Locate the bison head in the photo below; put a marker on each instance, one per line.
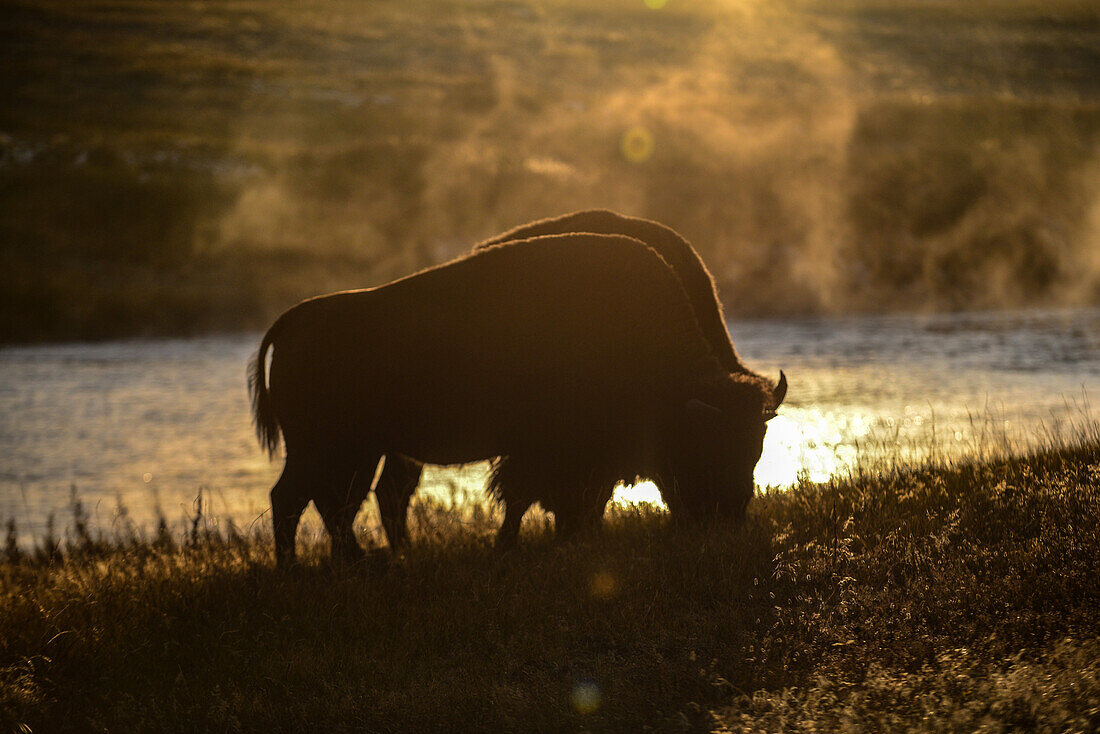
(719, 440)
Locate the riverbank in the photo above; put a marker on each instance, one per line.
(945, 598)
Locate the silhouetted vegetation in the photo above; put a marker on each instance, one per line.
(951, 597)
(182, 167)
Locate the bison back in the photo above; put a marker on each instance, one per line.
(564, 338)
(669, 244)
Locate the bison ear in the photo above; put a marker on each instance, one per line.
(779, 392)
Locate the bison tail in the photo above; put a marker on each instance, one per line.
(267, 424)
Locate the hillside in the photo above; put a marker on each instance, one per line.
(181, 167)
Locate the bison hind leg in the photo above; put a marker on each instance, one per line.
(395, 487)
(340, 493)
(289, 498)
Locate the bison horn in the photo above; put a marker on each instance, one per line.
(780, 391)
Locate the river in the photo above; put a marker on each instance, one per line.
(137, 428)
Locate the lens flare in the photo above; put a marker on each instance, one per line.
(637, 144)
(585, 697)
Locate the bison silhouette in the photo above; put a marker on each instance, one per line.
(573, 361)
(401, 475)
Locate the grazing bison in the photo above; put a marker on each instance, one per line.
(574, 361)
(400, 475)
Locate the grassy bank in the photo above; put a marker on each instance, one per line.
(944, 598)
(179, 167)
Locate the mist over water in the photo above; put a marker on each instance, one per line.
(824, 157)
(145, 424)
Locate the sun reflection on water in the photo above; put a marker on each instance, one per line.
(806, 444)
(640, 493)
(810, 444)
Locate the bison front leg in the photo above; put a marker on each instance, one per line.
(580, 514)
(396, 485)
(289, 498)
(508, 535)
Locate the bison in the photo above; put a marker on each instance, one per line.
(574, 361)
(400, 475)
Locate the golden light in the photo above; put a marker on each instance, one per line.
(656, 4)
(806, 443)
(779, 463)
(637, 494)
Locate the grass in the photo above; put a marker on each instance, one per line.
(180, 167)
(958, 597)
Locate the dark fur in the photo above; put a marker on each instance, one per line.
(677, 251)
(586, 376)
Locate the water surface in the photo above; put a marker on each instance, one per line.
(145, 424)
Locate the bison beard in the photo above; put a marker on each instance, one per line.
(573, 361)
